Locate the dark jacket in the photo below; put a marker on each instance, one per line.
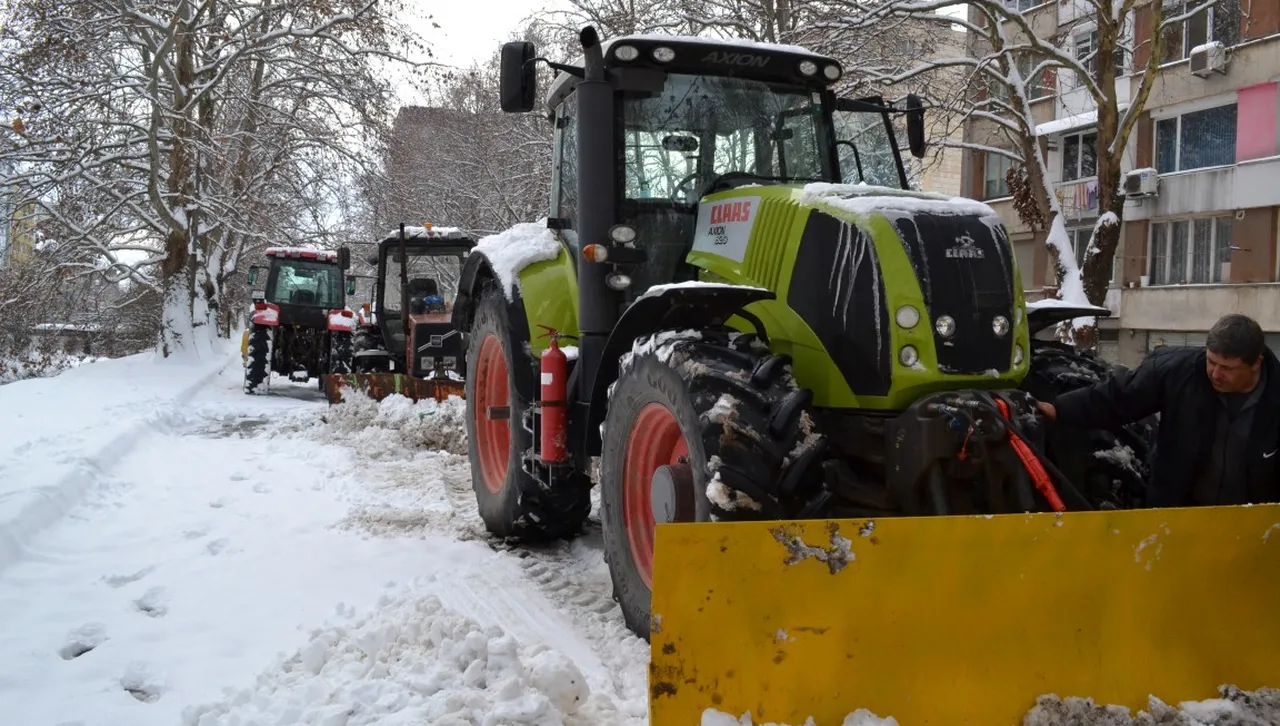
(1174, 382)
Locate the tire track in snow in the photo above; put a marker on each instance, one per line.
(425, 490)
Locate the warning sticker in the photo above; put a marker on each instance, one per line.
(724, 227)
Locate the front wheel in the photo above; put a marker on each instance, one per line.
(703, 427)
(511, 502)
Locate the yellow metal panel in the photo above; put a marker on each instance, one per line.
(962, 620)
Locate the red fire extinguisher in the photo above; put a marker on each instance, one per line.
(554, 367)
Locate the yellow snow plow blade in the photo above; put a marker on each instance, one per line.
(962, 620)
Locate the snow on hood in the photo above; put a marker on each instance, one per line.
(657, 290)
(867, 199)
(514, 249)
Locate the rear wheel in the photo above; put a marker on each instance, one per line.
(701, 427)
(511, 502)
(339, 352)
(258, 358)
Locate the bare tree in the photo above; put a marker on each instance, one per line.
(1009, 62)
(164, 139)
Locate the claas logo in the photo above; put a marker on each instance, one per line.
(731, 212)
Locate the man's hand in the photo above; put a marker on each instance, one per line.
(1048, 410)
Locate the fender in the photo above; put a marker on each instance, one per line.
(265, 313)
(475, 271)
(342, 321)
(1051, 312)
(663, 307)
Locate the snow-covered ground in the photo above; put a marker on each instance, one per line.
(177, 552)
(265, 559)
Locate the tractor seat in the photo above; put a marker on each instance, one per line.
(302, 297)
(421, 288)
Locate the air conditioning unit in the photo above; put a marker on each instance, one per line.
(1208, 59)
(1141, 183)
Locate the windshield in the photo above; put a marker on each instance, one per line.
(699, 128)
(301, 282)
(866, 149)
(428, 275)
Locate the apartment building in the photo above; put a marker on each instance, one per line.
(1202, 172)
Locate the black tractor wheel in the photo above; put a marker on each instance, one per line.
(257, 367)
(511, 502)
(339, 353)
(1109, 467)
(701, 427)
(368, 339)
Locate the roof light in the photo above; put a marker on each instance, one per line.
(832, 72)
(626, 53)
(663, 54)
(808, 68)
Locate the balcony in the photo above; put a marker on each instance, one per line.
(1195, 308)
(1246, 185)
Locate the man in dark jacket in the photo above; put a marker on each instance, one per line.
(1219, 412)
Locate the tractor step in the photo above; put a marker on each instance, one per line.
(380, 385)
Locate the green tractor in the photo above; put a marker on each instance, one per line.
(766, 322)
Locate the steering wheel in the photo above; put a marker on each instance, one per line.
(679, 190)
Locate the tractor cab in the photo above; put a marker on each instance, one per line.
(693, 117)
(417, 276)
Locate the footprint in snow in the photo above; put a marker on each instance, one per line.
(82, 640)
(141, 681)
(238, 477)
(261, 488)
(154, 602)
(218, 545)
(219, 503)
(121, 580)
(195, 533)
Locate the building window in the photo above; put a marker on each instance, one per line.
(1220, 22)
(1086, 45)
(1196, 251)
(997, 169)
(1080, 156)
(1080, 244)
(1019, 6)
(1197, 140)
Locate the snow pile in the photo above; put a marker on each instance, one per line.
(861, 717)
(386, 428)
(867, 199)
(514, 249)
(39, 365)
(1235, 708)
(413, 661)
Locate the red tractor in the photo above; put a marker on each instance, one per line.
(301, 326)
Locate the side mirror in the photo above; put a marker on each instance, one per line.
(915, 125)
(254, 272)
(518, 81)
(351, 285)
(372, 259)
(344, 258)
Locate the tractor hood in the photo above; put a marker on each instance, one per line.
(904, 290)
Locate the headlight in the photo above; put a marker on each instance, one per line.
(907, 317)
(1017, 355)
(1000, 326)
(663, 54)
(908, 355)
(622, 234)
(618, 281)
(808, 68)
(832, 72)
(626, 53)
(450, 361)
(946, 326)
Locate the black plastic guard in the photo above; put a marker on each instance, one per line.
(699, 307)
